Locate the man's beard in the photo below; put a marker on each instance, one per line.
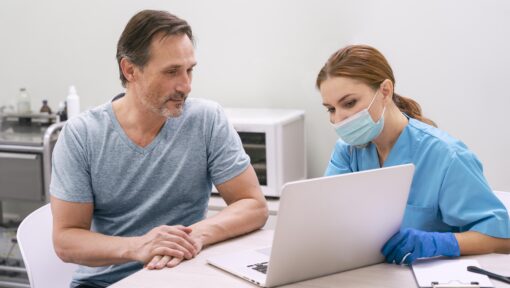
(163, 110)
(167, 113)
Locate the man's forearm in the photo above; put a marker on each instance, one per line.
(92, 249)
(240, 217)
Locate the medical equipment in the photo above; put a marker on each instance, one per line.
(275, 141)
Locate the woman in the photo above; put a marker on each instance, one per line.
(451, 210)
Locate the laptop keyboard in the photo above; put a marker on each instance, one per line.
(261, 267)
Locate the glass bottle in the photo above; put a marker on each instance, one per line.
(45, 108)
(23, 102)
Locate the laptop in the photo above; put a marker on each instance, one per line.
(327, 225)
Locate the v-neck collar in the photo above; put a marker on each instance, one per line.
(135, 147)
(401, 151)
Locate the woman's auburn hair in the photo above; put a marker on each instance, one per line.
(368, 65)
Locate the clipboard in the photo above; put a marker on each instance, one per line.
(448, 273)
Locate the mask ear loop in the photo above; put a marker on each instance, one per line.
(370, 105)
(373, 99)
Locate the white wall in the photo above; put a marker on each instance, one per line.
(450, 56)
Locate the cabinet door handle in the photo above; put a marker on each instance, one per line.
(18, 156)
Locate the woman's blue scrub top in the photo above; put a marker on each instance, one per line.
(448, 193)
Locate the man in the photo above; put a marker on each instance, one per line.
(131, 178)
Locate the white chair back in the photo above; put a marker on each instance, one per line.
(44, 268)
(505, 198)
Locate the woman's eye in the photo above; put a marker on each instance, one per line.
(350, 104)
(330, 110)
(171, 72)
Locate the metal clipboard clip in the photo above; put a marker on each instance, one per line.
(455, 284)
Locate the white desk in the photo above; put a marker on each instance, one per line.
(197, 273)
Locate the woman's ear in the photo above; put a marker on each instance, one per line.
(387, 90)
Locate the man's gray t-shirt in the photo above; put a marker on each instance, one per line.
(135, 189)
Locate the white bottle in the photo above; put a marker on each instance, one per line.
(73, 103)
(23, 102)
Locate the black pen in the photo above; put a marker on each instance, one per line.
(490, 274)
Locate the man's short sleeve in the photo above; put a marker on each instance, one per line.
(225, 153)
(70, 177)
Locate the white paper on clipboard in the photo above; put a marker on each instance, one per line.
(448, 273)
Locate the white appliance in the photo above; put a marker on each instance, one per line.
(275, 141)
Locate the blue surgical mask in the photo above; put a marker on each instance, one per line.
(359, 129)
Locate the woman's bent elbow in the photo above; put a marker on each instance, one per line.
(507, 247)
(504, 247)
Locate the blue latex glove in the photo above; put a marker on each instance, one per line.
(409, 244)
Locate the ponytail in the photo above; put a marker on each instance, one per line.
(411, 108)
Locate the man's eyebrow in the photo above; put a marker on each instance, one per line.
(173, 66)
(177, 66)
